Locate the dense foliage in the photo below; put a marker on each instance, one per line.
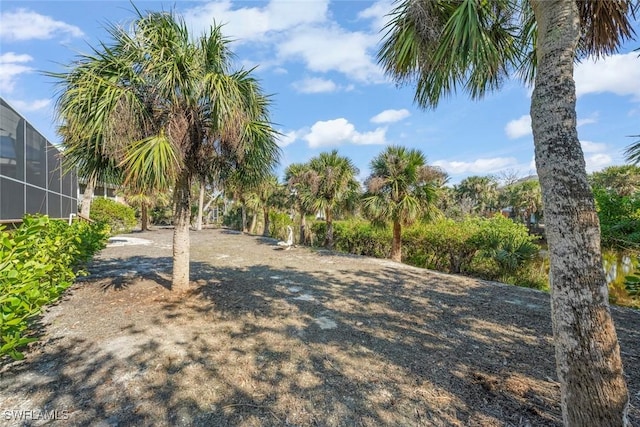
(494, 248)
(38, 261)
(120, 218)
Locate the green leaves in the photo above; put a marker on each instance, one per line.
(38, 261)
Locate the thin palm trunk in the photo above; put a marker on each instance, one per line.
(200, 206)
(245, 229)
(328, 241)
(303, 229)
(182, 211)
(396, 246)
(265, 214)
(144, 216)
(588, 361)
(254, 222)
(87, 197)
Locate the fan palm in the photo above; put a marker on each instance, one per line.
(481, 191)
(298, 177)
(333, 187)
(442, 45)
(166, 107)
(399, 190)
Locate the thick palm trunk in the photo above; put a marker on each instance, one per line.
(181, 216)
(588, 361)
(396, 245)
(87, 197)
(200, 206)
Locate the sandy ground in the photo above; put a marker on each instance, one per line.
(297, 337)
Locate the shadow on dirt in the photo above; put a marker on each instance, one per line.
(352, 345)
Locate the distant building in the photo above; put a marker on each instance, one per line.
(31, 177)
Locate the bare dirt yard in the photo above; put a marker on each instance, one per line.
(296, 337)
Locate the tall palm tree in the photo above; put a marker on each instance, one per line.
(334, 187)
(299, 177)
(400, 189)
(164, 104)
(441, 45)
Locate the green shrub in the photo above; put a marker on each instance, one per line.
(120, 218)
(356, 237)
(233, 218)
(278, 222)
(38, 261)
(444, 245)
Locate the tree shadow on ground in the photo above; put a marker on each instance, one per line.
(335, 342)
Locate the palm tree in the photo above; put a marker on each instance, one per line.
(164, 105)
(333, 187)
(480, 191)
(476, 45)
(299, 177)
(399, 190)
(525, 199)
(91, 166)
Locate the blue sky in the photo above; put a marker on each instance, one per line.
(318, 59)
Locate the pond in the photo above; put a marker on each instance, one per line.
(617, 266)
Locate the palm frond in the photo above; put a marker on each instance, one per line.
(152, 164)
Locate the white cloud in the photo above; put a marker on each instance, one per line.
(254, 23)
(597, 162)
(587, 120)
(332, 48)
(377, 12)
(390, 116)
(480, 166)
(288, 138)
(593, 147)
(519, 127)
(11, 66)
(619, 74)
(339, 131)
(315, 85)
(24, 24)
(36, 105)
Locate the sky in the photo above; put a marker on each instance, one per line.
(317, 58)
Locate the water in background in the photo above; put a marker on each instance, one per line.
(618, 265)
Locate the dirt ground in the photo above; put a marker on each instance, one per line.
(295, 337)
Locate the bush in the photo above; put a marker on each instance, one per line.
(278, 222)
(120, 218)
(444, 245)
(38, 261)
(356, 237)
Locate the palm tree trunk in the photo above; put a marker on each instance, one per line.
(200, 206)
(254, 222)
(181, 216)
(265, 214)
(328, 240)
(303, 229)
(244, 218)
(396, 246)
(144, 216)
(87, 196)
(588, 360)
